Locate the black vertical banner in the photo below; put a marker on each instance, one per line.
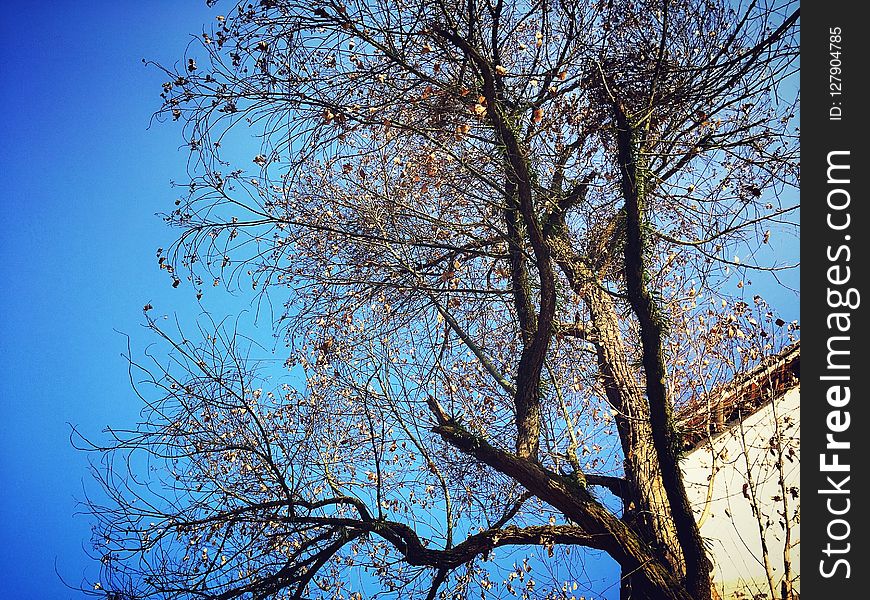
(835, 453)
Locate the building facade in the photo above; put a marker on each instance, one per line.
(741, 468)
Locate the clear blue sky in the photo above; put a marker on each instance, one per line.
(82, 179)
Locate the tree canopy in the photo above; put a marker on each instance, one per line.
(494, 236)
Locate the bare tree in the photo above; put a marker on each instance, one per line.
(497, 234)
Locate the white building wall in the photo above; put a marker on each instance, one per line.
(718, 486)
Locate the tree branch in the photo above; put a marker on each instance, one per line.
(643, 305)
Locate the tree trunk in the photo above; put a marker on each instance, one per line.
(646, 508)
(634, 182)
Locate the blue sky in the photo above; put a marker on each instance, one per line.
(83, 176)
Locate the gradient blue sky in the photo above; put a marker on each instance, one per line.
(83, 177)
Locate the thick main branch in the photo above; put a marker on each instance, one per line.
(651, 334)
(606, 531)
